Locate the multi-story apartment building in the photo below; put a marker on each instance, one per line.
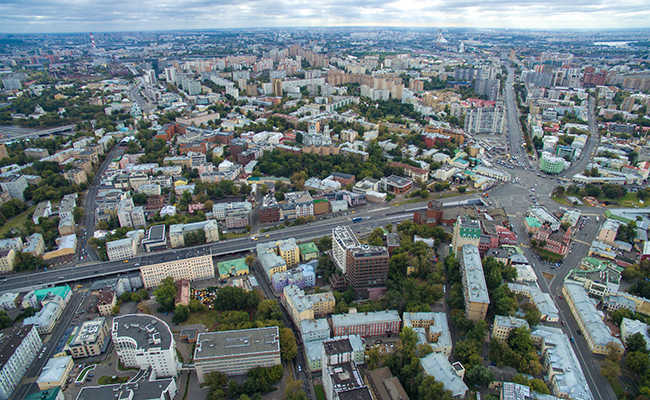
(19, 346)
(130, 215)
(384, 386)
(55, 372)
(341, 377)
(156, 238)
(177, 232)
(475, 289)
(36, 153)
(35, 244)
(562, 370)
(236, 352)
(504, 325)
(589, 319)
(431, 328)
(489, 120)
(342, 238)
(144, 341)
(303, 276)
(366, 324)
(297, 204)
(192, 269)
(307, 307)
(269, 210)
(122, 249)
(278, 256)
(43, 210)
(106, 300)
(90, 339)
(15, 185)
(465, 231)
(7, 260)
(366, 268)
(450, 375)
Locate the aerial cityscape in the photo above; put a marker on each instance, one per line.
(334, 201)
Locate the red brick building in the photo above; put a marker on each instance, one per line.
(170, 130)
(342, 178)
(201, 147)
(369, 324)
(321, 205)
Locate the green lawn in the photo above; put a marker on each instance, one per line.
(83, 373)
(206, 318)
(549, 255)
(320, 393)
(107, 380)
(562, 200)
(629, 200)
(16, 222)
(226, 236)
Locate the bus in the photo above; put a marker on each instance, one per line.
(357, 219)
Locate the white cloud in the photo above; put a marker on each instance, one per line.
(27, 16)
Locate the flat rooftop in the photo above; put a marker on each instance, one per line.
(237, 343)
(365, 318)
(143, 390)
(148, 331)
(88, 332)
(337, 346)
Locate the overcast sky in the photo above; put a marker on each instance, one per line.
(32, 16)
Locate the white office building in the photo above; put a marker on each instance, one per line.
(19, 346)
(144, 341)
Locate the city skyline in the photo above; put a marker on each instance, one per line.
(60, 16)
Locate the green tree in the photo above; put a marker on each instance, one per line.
(165, 294)
(5, 321)
(479, 375)
(294, 391)
(181, 314)
(430, 389)
(196, 306)
(636, 342)
(250, 260)
(288, 346)
(462, 189)
(539, 386)
(139, 199)
(637, 361)
(610, 370)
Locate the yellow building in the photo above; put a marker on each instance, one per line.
(307, 307)
(192, 269)
(504, 325)
(55, 373)
(289, 252)
(7, 260)
(89, 339)
(597, 334)
(106, 301)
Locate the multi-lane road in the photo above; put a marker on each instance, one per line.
(373, 217)
(533, 186)
(514, 198)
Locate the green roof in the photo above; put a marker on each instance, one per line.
(533, 222)
(308, 248)
(61, 291)
(49, 394)
(321, 201)
(226, 267)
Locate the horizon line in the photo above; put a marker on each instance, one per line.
(361, 27)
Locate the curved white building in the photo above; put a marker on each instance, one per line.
(145, 341)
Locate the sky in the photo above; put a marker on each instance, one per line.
(56, 16)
